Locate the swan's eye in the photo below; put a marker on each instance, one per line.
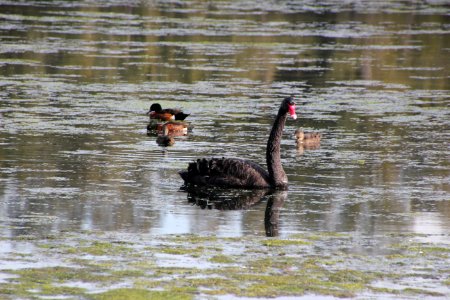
(291, 100)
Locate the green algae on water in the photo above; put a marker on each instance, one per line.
(222, 266)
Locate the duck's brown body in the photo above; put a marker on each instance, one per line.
(156, 112)
(173, 128)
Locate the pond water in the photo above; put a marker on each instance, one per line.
(77, 78)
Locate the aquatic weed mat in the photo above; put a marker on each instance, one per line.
(98, 265)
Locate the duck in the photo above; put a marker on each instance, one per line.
(173, 128)
(241, 173)
(164, 139)
(156, 112)
(307, 138)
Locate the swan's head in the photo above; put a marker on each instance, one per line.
(289, 102)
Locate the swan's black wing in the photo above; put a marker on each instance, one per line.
(226, 172)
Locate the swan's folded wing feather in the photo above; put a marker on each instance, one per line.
(226, 172)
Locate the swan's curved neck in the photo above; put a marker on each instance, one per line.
(278, 178)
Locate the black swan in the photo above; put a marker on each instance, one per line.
(240, 173)
(156, 112)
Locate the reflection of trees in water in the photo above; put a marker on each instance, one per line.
(166, 45)
(226, 199)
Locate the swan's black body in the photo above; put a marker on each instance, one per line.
(226, 172)
(240, 173)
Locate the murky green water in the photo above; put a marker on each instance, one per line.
(77, 77)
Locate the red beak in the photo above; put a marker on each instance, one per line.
(292, 111)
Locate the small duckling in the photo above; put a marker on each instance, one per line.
(165, 140)
(307, 139)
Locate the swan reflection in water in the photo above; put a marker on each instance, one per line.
(272, 214)
(235, 199)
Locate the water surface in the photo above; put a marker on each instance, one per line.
(76, 79)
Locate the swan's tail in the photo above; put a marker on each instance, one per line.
(198, 172)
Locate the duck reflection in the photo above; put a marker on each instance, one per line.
(225, 199)
(301, 148)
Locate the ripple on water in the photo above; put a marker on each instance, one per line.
(77, 79)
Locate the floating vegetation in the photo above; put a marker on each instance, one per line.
(268, 268)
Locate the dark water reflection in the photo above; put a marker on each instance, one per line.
(272, 213)
(220, 199)
(223, 199)
(76, 79)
